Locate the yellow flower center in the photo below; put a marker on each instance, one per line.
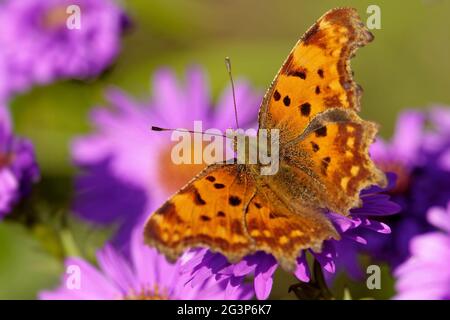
(148, 294)
(55, 18)
(173, 176)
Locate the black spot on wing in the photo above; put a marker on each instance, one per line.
(299, 74)
(234, 201)
(315, 146)
(325, 163)
(198, 200)
(321, 132)
(205, 218)
(305, 109)
(221, 214)
(276, 95)
(167, 208)
(320, 73)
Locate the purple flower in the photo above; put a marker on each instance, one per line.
(419, 155)
(18, 167)
(37, 46)
(146, 275)
(426, 275)
(335, 254)
(127, 169)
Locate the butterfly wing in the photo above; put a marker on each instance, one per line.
(228, 211)
(316, 75)
(315, 87)
(208, 211)
(334, 152)
(284, 227)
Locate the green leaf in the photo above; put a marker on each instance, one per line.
(25, 267)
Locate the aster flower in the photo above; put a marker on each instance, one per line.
(36, 46)
(146, 275)
(419, 155)
(127, 170)
(426, 275)
(18, 167)
(334, 253)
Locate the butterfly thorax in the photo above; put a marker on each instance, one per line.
(245, 148)
(260, 150)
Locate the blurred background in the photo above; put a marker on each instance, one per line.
(407, 65)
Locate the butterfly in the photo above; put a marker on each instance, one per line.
(324, 161)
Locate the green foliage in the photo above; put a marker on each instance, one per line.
(25, 267)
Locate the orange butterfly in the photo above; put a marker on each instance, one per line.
(324, 161)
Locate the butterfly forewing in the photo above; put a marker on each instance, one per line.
(207, 212)
(316, 75)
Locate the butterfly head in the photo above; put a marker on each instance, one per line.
(235, 135)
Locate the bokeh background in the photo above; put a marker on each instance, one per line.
(407, 65)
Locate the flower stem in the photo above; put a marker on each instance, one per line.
(68, 244)
(319, 279)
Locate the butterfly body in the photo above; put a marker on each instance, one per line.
(323, 161)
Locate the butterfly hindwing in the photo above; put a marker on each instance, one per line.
(335, 151)
(283, 230)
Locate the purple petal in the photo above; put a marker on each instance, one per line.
(244, 267)
(327, 257)
(197, 93)
(117, 269)
(93, 285)
(343, 223)
(302, 272)
(408, 135)
(379, 227)
(439, 217)
(264, 277)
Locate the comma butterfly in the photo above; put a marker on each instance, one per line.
(324, 161)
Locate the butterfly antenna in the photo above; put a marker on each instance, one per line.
(154, 128)
(228, 65)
